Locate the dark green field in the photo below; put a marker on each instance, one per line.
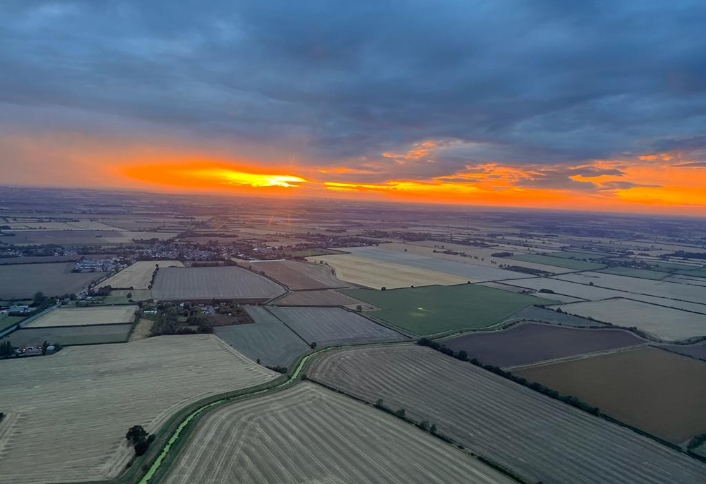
(568, 254)
(634, 272)
(693, 273)
(565, 262)
(7, 321)
(439, 309)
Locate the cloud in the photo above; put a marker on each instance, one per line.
(695, 143)
(625, 185)
(413, 96)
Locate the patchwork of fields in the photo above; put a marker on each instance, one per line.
(431, 310)
(539, 438)
(565, 262)
(534, 313)
(138, 275)
(639, 273)
(378, 274)
(206, 283)
(479, 256)
(268, 339)
(651, 389)
(469, 272)
(67, 414)
(317, 298)
(85, 316)
(326, 326)
(664, 323)
(53, 279)
(70, 335)
(299, 275)
(670, 290)
(529, 343)
(311, 435)
(84, 237)
(594, 293)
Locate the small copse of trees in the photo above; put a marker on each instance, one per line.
(139, 439)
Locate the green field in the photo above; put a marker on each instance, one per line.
(693, 273)
(119, 296)
(314, 252)
(658, 266)
(567, 254)
(7, 321)
(633, 272)
(438, 309)
(566, 263)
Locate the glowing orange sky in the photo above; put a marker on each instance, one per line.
(659, 187)
(654, 182)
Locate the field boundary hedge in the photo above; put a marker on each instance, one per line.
(425, 426)
(551, 393)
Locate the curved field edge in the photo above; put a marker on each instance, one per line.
(497, 450)
(171, 437)
(317, 426)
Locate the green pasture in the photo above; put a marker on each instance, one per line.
(439, 309)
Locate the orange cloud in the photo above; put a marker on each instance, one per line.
(656, 182)
(207, 174)
(418, 151)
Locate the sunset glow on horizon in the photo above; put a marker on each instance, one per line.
(657, 184)
(223, 100)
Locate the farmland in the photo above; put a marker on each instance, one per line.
(663, 323)
(431, 310)
(671, 290)
(24, 280)
(90, 395)
(298, 275)
(83, 237)
(595, 293)
(377, 274)
(317, 298)
(467, 255)
(268, 339)
(7, 321)
(695, 351)
(468, 271)
(138, 275)
(310, 434)
(565, 262)
(701, 272)
(539, 438)
(85, 316)
(70, 335)
(633, 272)
(552, 296)
(534, 313)
(206, 283)
(120, 296)
(529, 343)
(651, 389)
(325, 326)
(572, 254)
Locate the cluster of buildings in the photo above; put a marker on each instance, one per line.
(95, 265)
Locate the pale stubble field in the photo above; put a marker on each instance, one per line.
(67, 414)
(138, 275)
(308, 434)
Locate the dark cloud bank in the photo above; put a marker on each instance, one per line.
(330, 82)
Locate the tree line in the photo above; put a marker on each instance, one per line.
(538, 387)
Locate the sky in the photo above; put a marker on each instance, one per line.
(591, 105)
